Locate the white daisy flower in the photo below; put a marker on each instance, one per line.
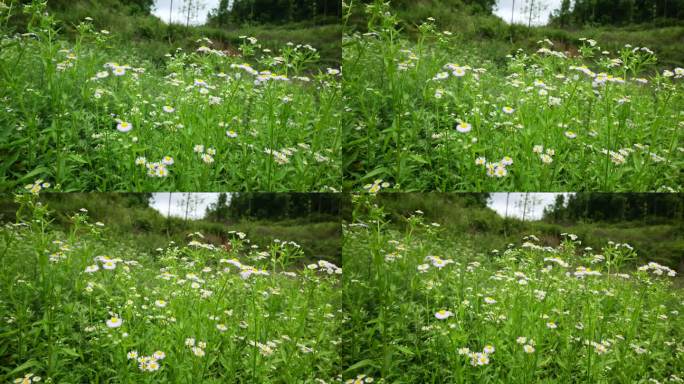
(124, 126)
(114, 322)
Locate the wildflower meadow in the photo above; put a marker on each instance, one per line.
(78, 305)
(91, 115)
(432, 112)
(421, 307)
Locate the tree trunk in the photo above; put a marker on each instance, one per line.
(508, 194)
(187, 20)
(187, 205)
(512, 12)
(168, 217)
(529, 18)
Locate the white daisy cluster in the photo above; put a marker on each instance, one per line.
(678, 73)
(147, 363)
(68, 62)
(550, 52)
(495, 169)
(281, 157)
(60, 254)
(118, 70)
(28, 379)
(600, 348)
(105, 262)
(37, 186)
(360, 379)
(658, 269)
(197, 347)
(478, 358)
(246, 271)
(199, 244)
(376, 186)
(437, 261)
(581, 272)
(546, 156)
(528, 344)
(327, 267)
(265, 349)
(156, 169)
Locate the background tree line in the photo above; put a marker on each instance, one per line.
(617, 12)
(275, 11)
(474, 6)
(613, 207)
(275, 206)
(129, 6)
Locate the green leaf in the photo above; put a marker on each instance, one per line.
(377, 172)
(405, 350)
(419, 159)
(361, 364)
(70, 352)
(28, 364)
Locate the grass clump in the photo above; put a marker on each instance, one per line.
(424, 307)
(91, 116)
(435, 114)
(81, 306)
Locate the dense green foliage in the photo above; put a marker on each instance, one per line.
(93, 117)
(80, 305)
(464, 218)
(278, 11)
(130, 6)
(646, 207)
(454, 6)
(432, 114)
(129, 218)
(617, 12)
(495, 38)
(276, 206)
(423, 307)
(135, 30)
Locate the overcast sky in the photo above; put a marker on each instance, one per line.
(504, 10)
(197, 208)
(162, 11)
(497, 202)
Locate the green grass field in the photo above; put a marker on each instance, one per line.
(81, 304)
(423, 306)
(434, 113)
(129, 218)
(91, 115)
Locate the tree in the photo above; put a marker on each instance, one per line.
(221, 14)
(190, 201)
(275, 11)
(534, 9)
(618, 207)
(512, 12)
(218, 211)
(617, 12)
(191, 9)
(139, 6)
(564, 15)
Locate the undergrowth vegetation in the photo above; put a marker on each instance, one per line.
(422, 308)
(433, 114)
(90, 116)
(129, 218)
(80, 306)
